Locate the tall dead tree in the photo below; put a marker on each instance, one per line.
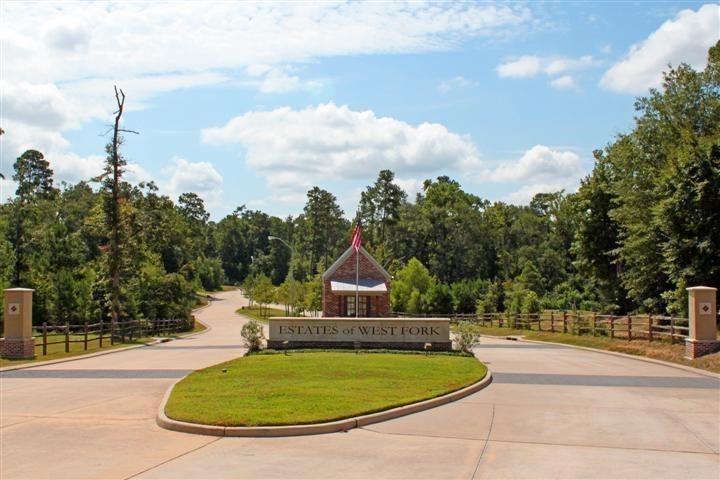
(112, 184)
(115, 216)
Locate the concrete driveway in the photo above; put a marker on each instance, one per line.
(552, 412)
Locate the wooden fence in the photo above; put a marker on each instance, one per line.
(103, 333)
(628, 327)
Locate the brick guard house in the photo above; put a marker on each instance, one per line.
(339, 287)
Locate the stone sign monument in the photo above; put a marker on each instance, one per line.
(368, 332)
(356, 313)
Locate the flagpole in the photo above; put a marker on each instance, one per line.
(357, 282)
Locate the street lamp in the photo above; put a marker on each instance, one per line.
(290, 272)
(292, 252)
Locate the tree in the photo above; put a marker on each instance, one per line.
(34, 185)
(322, 228)
(410, 284)
(379, 207)
(114, 169)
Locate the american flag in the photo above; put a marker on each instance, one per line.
(357, 237)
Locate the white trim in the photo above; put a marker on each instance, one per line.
(346, 255)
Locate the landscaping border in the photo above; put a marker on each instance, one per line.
(679, 366)
(316, 428)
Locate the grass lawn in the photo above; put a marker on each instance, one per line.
(659, 350)
(312, 387)
(254, 312)
(56, 351)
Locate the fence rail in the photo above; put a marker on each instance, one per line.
(629, 327)
(103, 332)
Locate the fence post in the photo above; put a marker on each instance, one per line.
(612, 326)
(672, 330)
(44, 328)
(650, 326)
(101, 332)
(629, 324)
(594, 325)
(552, 321)
(112, 333)
(67, 337)
(564, 321)
(85, 337)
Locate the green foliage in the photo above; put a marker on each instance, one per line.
(252, 334)
(467, 336)
(410, 284)
(644, 225)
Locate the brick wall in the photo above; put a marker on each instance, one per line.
(18, 348)
(380, 304)
(700, 348)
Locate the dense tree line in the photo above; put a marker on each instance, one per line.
(643, 226)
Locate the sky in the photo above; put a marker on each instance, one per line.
(253, 104)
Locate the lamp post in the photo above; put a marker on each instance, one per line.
(292, 252)
(290, 272)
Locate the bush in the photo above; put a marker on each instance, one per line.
(467, 336)
(252, 333)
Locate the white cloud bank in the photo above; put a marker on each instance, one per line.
(528, 66)
(334, 142)
(197, 177)
(540, 169)
(60, 61)
(686, 38)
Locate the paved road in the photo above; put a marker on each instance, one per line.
(552, 412)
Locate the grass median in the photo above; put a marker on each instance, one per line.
(263, 315)
(313, 387)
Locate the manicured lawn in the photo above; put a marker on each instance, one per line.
(255, 313)
(311, 387)
(56, 351)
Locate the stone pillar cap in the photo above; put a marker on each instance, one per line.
(19, 289)
(712, 289)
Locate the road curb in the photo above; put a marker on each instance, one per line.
(624, 355)
(317, 428)
(101, 353)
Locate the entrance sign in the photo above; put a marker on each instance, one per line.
(350, 332)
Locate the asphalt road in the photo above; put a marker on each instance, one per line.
(552, 412)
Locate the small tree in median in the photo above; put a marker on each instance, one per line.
(252, 333)
(467, 336)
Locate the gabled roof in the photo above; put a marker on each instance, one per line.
(347, 255)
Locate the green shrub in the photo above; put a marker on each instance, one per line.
(252, 333)
(467, 336)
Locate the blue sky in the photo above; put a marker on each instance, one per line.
(253, 104)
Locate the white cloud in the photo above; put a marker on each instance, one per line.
(77, 51)
(532, 65)
(91, 39)
(411, 186)
(73, 168)
(197, 177)
(525, 66)
(563, 83)
(540, 163)
(524, 194)
(335, 142)
(686, 38)
(456, 82)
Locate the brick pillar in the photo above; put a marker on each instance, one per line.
(18, 341)
(702, 310)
